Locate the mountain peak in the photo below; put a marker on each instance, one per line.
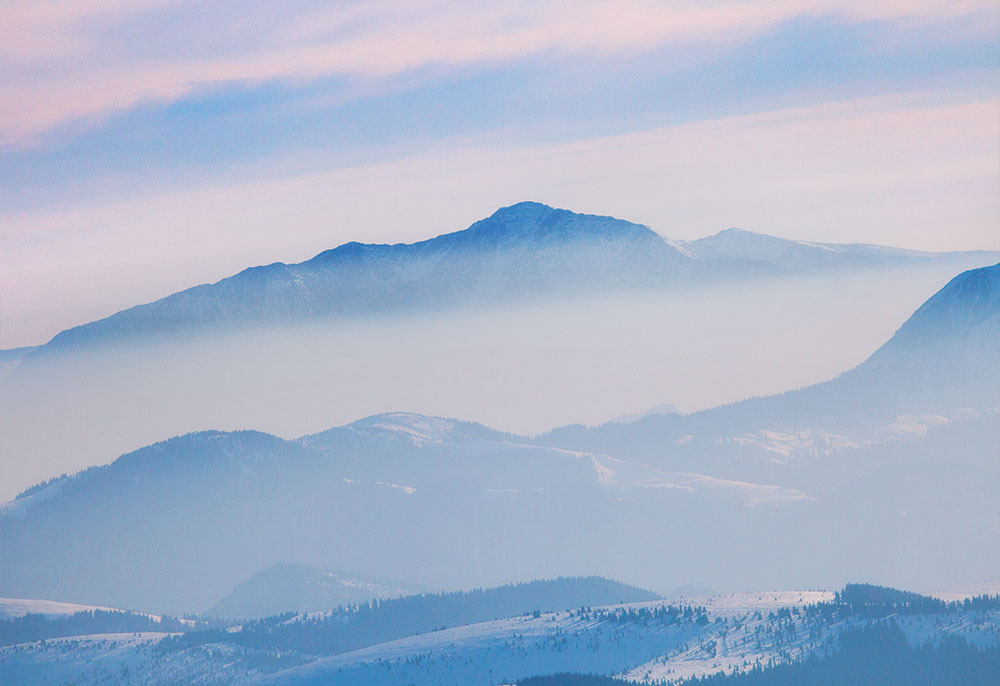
(953, 339)
(735, 238)
(408, 427)
(523, 210)
(534, 224)
(968, 302)
(736, 243)
(737, 231)
(420, 428)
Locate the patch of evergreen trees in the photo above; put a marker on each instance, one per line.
(874, 602)
(876, 656)
(35, 627)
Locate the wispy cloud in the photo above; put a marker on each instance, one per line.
(77, 60)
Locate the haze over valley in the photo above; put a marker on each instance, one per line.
(508, 349)
(500, 344)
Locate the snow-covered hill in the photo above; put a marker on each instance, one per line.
(18, 607)
(132, 659)
(652, 641)
(643, 642)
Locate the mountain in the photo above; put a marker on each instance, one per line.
(808, 257)
(902, 465)
(523, 251)
(173, 527)
(288, 587)
(941, 366)
(953, 337)
(520, 253)
(944, 354)
(395, 495)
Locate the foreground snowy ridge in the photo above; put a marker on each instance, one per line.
(651, 641)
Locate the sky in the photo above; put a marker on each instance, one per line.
(150, 145)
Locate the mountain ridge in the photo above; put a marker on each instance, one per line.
(521, 252)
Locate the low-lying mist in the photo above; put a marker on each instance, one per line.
(521, 369)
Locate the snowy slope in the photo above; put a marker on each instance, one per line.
(18, 607)
(991, 587)
(745, 640)
(648, 641)
(738, 631)
(132, 660)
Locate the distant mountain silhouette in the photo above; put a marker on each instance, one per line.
(809, 257)
(300, 588)
(522, 252)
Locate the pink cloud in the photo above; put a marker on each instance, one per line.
(77, 59)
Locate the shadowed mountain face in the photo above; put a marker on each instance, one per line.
(946, 353)
(524, 251)
(954, 337)
(520, 253)
(791, 485)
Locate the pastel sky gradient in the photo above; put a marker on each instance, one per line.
(149, 145)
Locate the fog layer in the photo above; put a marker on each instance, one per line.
(523, 370)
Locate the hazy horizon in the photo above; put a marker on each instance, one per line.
(521, 368)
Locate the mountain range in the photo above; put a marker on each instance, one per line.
(902, 464)
(524, 252)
